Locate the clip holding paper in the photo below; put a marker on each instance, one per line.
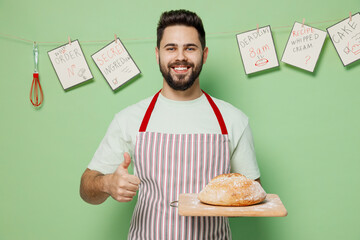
(350, 16)
(303, 22)
(115, 38)
(69, 40)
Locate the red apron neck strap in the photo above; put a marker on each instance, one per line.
(216, 110)
(146, 118)
(217, 114)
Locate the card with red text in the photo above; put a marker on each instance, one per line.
(115, 64)
(257, 50)
(345, 36)
(70, 64)
(304, 46)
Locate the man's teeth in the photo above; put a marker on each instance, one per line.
(180, 68)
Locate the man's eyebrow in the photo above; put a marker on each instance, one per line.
(170, 45)
(191, 45)
(185, 45)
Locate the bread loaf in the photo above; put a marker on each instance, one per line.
(232, 189)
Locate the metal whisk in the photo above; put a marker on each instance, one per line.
(36, 93)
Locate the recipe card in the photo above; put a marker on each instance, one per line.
(304, 46)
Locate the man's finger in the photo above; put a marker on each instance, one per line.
(132, 187)
(123, 199)
(123, 167)
(133, 179)
(128, 193)
(127, 160)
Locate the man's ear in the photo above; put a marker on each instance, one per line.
(157, 54)
(205, 54)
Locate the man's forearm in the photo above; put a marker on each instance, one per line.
(92, 187)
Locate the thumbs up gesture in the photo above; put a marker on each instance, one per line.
(121, 185)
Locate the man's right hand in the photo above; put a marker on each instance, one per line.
(121, 185)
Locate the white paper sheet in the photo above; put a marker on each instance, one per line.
(257, 50)
(304, 46)
(345, 36)
(115, 64)
(70, 64)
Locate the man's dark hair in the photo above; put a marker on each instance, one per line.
(180, 17)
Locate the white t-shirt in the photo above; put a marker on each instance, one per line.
(177, 117)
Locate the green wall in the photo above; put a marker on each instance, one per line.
(305, 125)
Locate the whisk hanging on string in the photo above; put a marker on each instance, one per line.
(36, 93)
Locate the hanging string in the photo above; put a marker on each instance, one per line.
(278, 27)
(148, 38)
(16, 38)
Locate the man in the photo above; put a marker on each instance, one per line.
(178, 141)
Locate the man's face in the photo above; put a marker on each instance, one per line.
(180, 56)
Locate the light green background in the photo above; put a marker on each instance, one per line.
(305, 125)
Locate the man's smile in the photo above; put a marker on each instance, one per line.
(180, 69)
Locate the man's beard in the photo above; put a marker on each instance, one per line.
(182, 83)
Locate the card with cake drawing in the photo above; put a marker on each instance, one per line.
(345, 36)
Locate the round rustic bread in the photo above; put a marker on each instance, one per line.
(232, 189)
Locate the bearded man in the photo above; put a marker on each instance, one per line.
(178, 140)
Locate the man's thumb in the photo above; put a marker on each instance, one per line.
(125, 164)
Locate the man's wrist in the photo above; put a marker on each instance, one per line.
(103, 183)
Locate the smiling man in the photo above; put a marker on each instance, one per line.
(181, 56)
(178, 140)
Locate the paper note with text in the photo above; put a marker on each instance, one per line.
(115, 64)
(257, 50)
(345, 36)
(304, 46)
(70, 64)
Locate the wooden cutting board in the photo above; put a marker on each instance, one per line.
(190, 205)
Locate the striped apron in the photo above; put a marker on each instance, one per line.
(171, 164)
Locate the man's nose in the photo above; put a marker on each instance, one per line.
(181, 55)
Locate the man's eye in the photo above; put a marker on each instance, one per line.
(190, 49)
(170, 49)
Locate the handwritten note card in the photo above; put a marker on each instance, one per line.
(70, 65)
(115, 64)
(257, 50)
(303, 47)
(345, 36)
